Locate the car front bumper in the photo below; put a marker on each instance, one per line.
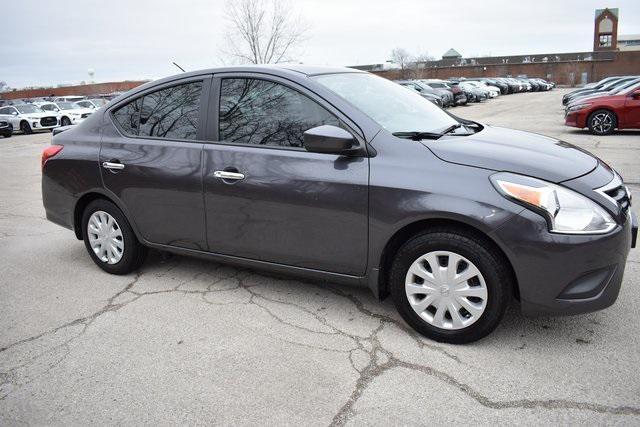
(563, 274)
(40, 124)
(576, 119)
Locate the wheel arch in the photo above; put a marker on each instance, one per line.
(89, 197)
(408, 231)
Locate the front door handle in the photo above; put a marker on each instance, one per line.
(112, 166)
(235, 176)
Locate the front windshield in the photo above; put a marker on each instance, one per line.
(389, 104)
(28, 108)
(68, 106)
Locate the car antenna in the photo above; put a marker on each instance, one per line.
(181, 69)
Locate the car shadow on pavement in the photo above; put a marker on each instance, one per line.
(516, 331)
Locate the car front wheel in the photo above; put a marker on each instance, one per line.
(602, 122)
(450, 286)
(109, 239)
(65, 121)
(25, 128)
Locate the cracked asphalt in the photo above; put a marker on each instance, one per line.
(185, 341)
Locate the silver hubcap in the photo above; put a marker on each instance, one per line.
(105, 237)
(602, 122)
(446, 290)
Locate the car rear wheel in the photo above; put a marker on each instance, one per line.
(25, 128)
(602, 122)
(109, 239)
(450, 286)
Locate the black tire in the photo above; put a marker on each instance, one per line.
(602, 122)
(490, 263)
(133, 254)
(25, 128)
(7, 135)
(65, 121)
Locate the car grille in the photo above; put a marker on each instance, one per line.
(48, 121)
(618, 192)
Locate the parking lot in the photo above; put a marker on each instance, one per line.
(189, 341)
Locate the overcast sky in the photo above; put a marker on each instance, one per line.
(47, 43)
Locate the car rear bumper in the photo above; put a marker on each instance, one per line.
(564, 274)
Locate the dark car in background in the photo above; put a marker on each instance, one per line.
(459, 96)
(342, 176)
(6, 128)
(441, 98)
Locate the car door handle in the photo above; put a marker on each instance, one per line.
(228, 175)
(112, 165)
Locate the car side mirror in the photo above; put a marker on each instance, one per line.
(328, 139)
(636, 94)
(14, 113)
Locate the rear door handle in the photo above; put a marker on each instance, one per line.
(235, 176)
(112, 165)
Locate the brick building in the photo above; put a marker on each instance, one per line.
(570, 69)
(86, 90)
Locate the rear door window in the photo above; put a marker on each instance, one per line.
(172, 113)
(169, 113)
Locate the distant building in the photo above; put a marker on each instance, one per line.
(629, 42)
(451, 54)
(612, 55)
(605, 33)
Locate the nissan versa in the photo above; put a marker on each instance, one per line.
(343, 176)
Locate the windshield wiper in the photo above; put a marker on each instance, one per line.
(417, 136)
(451, 128)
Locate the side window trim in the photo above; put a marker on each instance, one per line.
(202, 116)
(213, 136)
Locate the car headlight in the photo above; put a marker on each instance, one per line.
(579, 107)
(565, 210)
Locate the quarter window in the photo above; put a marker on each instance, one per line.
(260, 112)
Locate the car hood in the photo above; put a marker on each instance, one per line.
(39, 115)
(525, 153)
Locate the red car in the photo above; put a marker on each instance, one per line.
(605, 113)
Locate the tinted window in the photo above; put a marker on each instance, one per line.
(266, 113)
(128, 116)
(5, 111)
(172, 112)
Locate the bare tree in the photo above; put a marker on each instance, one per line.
(402, 57)
(262, 31)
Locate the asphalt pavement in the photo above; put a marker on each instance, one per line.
(185, 341)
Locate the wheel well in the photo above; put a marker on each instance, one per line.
(407, 232)
(79, 209)
(24, 121)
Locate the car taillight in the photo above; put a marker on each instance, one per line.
(48, 153)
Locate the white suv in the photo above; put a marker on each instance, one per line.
(28, 118)
(69, 112)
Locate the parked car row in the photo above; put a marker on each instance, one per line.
(610, 104)
(460, 91)
(37, 115)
